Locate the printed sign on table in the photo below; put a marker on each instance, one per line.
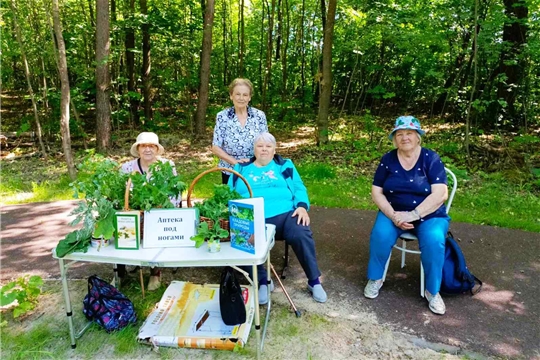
(170, 227)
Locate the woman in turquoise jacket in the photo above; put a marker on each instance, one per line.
(286, 205)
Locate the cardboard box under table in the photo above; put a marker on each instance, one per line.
(176, 257)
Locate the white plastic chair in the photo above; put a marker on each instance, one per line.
(407, 236)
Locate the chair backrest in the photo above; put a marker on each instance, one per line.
(453, 191)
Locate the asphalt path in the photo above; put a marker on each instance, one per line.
(503, 320)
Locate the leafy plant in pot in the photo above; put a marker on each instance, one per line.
(157, 189)
(102, 185)
(214, 213)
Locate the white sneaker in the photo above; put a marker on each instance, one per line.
(371, 291)
(436, 303)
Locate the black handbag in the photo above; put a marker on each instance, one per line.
(231, 301)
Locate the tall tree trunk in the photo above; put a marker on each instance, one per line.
(91, 10)
(37, 29)
(103, 105)
(279, 29)
(475, 56)
(27, 74)
(65, 96)
(326, 83)
(206, 51)
(129, 44)
(225, 53)
(57, 62)
(242, 41)
(512, 63)
(284, 65)
(146, 79)
(261, 47)
(303, 55)
(269, 43)
(455, 70)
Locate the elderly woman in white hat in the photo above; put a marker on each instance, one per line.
(409, 188)
(147, 150)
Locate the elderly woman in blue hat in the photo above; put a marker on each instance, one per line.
(409, 188)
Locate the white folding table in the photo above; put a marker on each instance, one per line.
(177, 257)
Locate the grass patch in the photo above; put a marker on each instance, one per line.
(44, 333)
(39, 342)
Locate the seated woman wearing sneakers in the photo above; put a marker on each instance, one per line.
(286, 206)
(410, 189)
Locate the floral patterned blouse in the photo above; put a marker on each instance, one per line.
(234, 139)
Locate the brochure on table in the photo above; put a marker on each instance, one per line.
(247, 224)
(126, 224)
(170, 227)
(188, 315)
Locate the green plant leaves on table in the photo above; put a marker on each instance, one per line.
(204, 232)
(214, 208)
(156, 190)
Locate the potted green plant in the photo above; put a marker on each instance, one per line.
(156, 190)
(214, 215)
(102, 185)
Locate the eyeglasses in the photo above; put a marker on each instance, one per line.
(151, 146)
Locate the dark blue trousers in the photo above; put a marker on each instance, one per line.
(300, 238)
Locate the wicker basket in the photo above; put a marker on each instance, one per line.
(223, 223)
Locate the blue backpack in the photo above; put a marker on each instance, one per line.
(107, 306)
(456, 277)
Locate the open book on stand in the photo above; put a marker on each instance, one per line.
(247, 223)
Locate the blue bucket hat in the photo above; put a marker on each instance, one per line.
(406, 123)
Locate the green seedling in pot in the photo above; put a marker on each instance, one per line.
(205, 233)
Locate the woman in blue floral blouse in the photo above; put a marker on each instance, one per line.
(409, 188)
(236, 127)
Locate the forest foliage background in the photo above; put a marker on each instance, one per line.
(469, 69)
(388, 57)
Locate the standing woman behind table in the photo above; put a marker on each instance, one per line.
(147, 150)
(236, 127)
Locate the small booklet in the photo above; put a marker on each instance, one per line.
(247, 223)
(127, 225)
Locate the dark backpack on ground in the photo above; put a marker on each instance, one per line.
(456, 277)
(107, 306)
(231, 301)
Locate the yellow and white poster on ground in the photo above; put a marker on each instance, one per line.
(188, 316)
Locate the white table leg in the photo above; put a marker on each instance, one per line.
(69, 312)
(269, 305)
(257, 312)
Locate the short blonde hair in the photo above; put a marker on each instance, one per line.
(241, 81)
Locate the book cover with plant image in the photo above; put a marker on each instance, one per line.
(246, 218)
(127, 230)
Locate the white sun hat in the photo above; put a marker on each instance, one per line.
(146, 138)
